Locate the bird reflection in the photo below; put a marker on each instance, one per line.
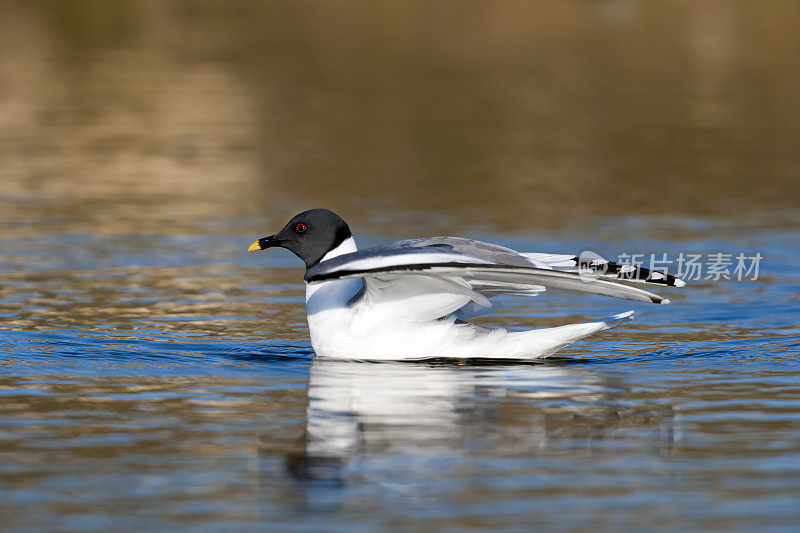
(360, 409)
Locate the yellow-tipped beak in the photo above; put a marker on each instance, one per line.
(255, 246)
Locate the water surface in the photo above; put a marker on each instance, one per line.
(171, 383)
(155, 376)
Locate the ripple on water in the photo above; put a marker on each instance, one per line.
(181, 387)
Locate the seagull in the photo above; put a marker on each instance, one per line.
(410, 299)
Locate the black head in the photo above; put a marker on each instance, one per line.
(309, 235)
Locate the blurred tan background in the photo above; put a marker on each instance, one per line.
(194, 116)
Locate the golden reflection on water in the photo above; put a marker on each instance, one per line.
(155, 116)
(169, 300)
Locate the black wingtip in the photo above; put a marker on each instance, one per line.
(626, 272)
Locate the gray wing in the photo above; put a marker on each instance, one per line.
(437, 250)
(493, 253)
(430, 297)
(587, 263)
(431, 278)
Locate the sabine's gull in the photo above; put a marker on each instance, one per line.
(409, 299)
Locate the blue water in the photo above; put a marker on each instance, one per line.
(159, 382)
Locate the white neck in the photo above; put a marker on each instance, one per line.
(348, 246)
(333, 293)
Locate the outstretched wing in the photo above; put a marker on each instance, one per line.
(435, 280)
(586, 263)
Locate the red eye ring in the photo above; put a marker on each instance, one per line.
(300, 227)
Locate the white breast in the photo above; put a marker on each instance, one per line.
(326, 304)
